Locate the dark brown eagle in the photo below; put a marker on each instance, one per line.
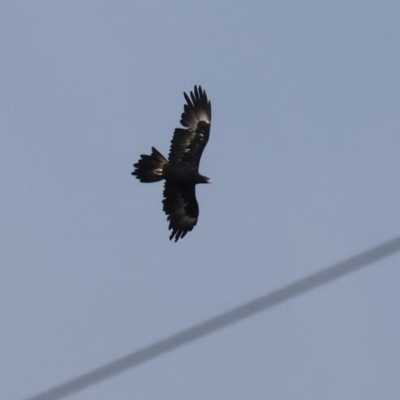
(181, 170)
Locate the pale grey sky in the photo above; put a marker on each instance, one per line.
(304, 157)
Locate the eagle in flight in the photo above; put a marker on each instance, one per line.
(181, 170)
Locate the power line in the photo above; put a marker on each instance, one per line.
(220, 321)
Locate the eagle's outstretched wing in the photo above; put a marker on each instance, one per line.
(187, 145)
(181, 207)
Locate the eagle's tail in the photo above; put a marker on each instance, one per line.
(150, 168)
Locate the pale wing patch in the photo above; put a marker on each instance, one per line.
(199, 115)
(185, 221)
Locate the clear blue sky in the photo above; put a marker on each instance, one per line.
(304, 158)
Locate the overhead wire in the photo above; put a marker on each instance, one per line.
(220, 321)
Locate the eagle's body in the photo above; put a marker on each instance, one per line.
(184, 174)
(181, 170)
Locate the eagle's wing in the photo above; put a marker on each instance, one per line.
(181, 207)
(187, 145)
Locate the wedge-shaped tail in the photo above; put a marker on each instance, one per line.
(150, 168)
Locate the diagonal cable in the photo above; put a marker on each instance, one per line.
(220, 321)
